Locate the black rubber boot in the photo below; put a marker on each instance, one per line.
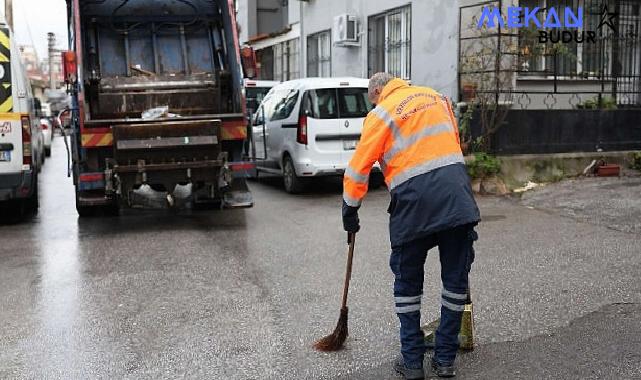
(408, 373)
(443, 370)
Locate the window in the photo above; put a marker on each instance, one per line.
(319, 55)
(323, 103)
(286, 64)
(265, 58)
(353, 102)
(285, 101)
(331, 103)
(389, 37)
(254, 96)
(565, 59)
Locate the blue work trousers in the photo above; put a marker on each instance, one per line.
(456, 253)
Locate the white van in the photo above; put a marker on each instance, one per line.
(309, 127)
(20, 138)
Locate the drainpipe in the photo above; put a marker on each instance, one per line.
(303, 43)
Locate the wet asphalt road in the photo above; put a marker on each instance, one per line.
(242, 294)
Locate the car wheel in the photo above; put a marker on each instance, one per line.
(293, 183)
(32, 203)
(48, 152)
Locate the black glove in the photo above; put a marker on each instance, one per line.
(350, 218)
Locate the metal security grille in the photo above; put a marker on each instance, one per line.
(513, 65)
(286, 66)
(389, 42)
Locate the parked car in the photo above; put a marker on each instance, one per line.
(45, 110)
(255, 91)
(21, 139)
(309, 127)
(47, 132)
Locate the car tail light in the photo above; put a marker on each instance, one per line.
(301, 135)
(26, 140)
(44, 126)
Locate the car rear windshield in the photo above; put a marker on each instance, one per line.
(353, 102)
(332, 103)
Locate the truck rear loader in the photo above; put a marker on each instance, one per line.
(157, 94)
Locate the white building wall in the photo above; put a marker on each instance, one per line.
(434, 43)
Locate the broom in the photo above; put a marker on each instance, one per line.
(335, 340)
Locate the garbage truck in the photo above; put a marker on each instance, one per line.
(157, 103)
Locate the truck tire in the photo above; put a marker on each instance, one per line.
(112, 209)
(293, 183)
(84, 211)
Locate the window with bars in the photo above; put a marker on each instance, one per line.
(286, 60)
(389, 42)
(265, 60)
(570, 59)
(319, 54)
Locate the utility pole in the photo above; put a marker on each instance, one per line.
(8, 12)
(51, 38)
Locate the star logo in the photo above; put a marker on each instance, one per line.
(607, 19)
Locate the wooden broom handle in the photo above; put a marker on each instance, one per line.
(351, 238)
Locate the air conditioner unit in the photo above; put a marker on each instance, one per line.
(345, 30)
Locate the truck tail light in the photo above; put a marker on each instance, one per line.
(248, 60)
(301, 134)
(70, 66)
(26, 140)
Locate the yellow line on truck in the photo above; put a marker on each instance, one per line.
(10, 116)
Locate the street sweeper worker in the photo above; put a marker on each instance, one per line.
(413, 134)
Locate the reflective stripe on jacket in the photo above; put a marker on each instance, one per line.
(413, 135)
(411, 132)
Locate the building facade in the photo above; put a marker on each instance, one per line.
(415, 40)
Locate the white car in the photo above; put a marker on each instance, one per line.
(255, 91)
(45, 109)
(21, 154)
(47, 134)
(308, 128)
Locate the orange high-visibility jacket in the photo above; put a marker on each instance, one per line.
(411, 132)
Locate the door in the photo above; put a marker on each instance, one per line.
(353, 108)
(282, 115)
(323, 134)
(259, 138)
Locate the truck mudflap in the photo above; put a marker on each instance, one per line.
(238, 195)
